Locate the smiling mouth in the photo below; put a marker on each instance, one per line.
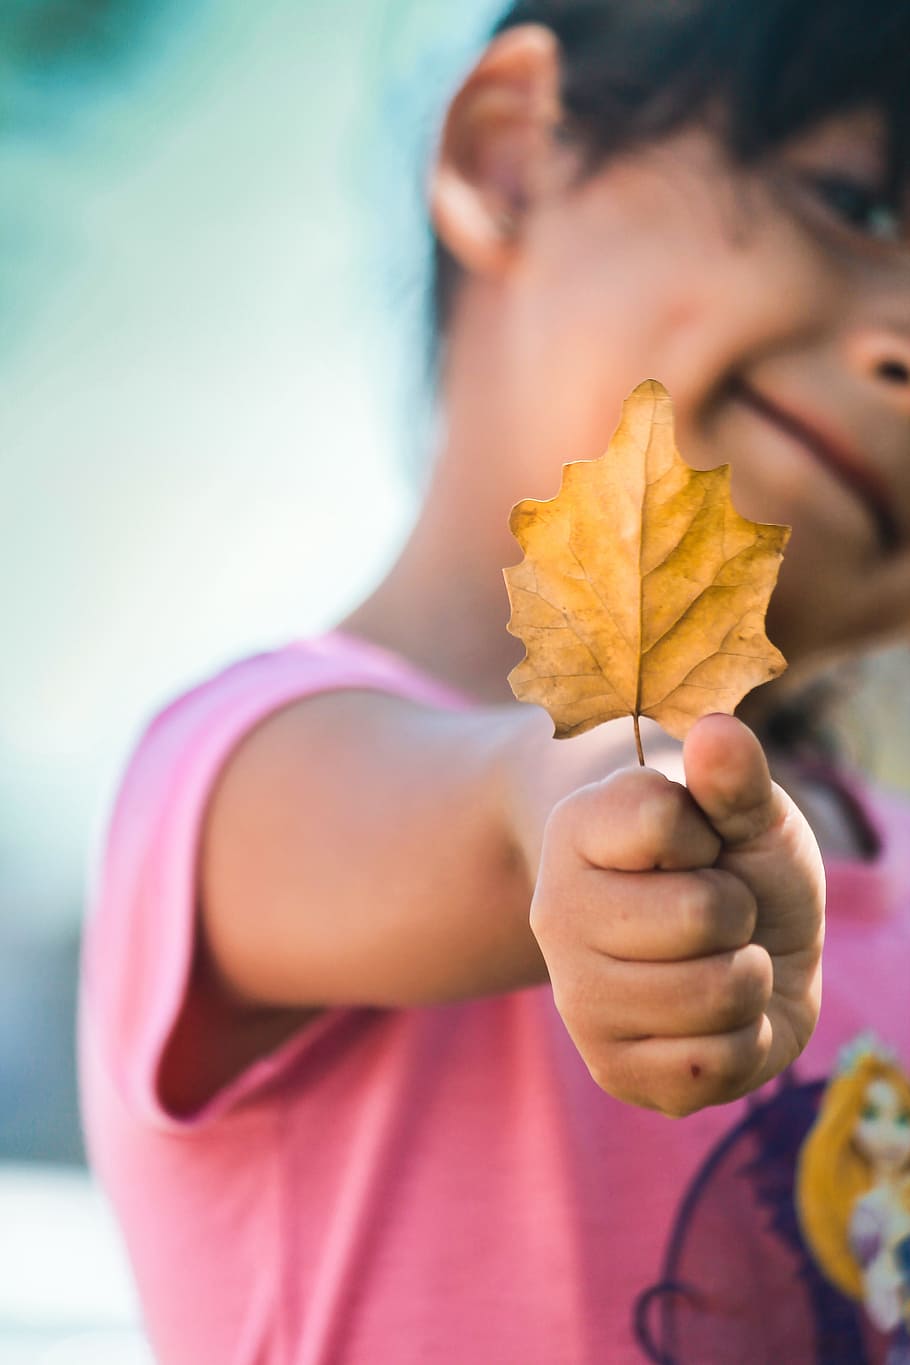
(862, 482)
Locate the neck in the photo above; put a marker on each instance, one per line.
(445, 617)
(444, 604)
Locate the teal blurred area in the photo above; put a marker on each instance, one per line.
(52, 48)
(212, 257)
(194, 367)
(212, 274)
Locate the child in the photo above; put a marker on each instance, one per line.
(351, 1100)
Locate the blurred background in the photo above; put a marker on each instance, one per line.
(212, 416)
(212, 412)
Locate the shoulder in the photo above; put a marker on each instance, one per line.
(194, 733)
(218, 766)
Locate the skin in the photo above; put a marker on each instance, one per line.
(672, 264)
(680, 926)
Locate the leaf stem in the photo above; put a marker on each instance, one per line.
(639, 749)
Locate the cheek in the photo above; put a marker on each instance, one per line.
(617, 280)
(667, 309)
(600, 329)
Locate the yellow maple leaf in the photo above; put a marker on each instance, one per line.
(642, 592)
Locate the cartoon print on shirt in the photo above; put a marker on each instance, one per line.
(853, 1188)
(756, 1270)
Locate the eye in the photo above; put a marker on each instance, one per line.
(863, 207)
(903, 1119)
(869, 1113)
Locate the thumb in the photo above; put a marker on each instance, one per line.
(727, 775)
(767, 841)
(768, 844)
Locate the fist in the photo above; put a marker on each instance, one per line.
(682, 927)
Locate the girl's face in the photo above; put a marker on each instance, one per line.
(883, 1129)
(774, 304)
(775, 307)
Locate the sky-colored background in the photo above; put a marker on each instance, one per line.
(215, 286)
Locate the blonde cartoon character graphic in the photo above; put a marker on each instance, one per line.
(853, 1188)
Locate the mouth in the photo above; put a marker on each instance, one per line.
(845, 463)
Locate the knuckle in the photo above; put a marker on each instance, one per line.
(733, 1010)
(759, 975)
(740, 909)
(661, 807)
(575, 996)
(731, 1067)
(716, 911)
(600, 1075)
(553, 923)
(627, 784)
(681, 1107)
(537, 921)
(563, 819)
(542, 914)
(739, 989)
(696, 909)
(734, 1061)
(604, 1073)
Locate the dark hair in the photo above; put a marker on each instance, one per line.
(636, 70)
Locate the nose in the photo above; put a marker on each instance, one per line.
(881, 357)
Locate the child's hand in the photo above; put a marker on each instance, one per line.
(683, 929)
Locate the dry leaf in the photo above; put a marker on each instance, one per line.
(642, 592)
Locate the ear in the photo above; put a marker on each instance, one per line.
(496, 144)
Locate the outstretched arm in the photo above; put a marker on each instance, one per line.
(361, 849)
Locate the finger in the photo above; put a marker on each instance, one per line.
(727, 775)
(678, 1076)
(706, 996)
(663, 916)
(636, 820)
(767, 841)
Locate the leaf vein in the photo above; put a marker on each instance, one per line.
(685, 611)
